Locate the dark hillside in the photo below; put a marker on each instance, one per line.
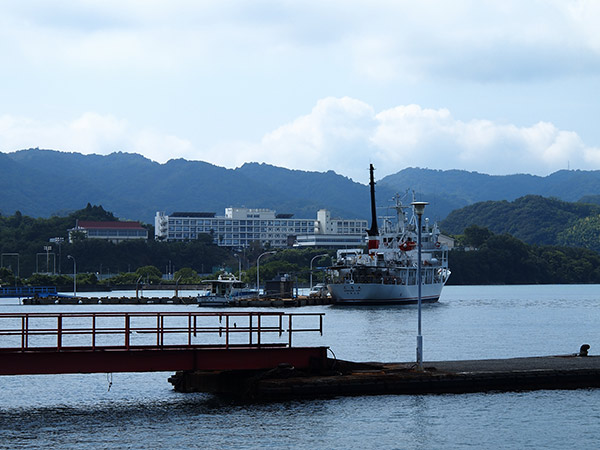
(533, 219)
(40, 183)
(465, 188)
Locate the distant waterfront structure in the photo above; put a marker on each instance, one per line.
(446, 240)
(115, 231)
(241, 226)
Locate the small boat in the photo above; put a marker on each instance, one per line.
(388, 273)
(224, 291)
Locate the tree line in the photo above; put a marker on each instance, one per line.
(23, 241)
(533, 219)
(481, 257)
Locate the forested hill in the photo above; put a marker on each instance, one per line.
(457, 188)
(533, 219)
(40, 183)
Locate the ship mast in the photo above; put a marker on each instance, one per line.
(373, 232)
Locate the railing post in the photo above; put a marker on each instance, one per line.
(290, 330)
(24, 331)
(127, 331)
(158, 329)
(250, 327)
(189, 328)
(280, 324)
(59, 332)
(258, 329)
(162, 330)
(93, 331)
(227, 331)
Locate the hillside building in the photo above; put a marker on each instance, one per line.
(111, 231)
(241, 226)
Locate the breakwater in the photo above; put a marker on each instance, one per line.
(344, 378)
(176, 300)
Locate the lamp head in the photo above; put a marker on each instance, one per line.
(419, 207)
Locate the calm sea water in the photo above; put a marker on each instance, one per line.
(142, 411)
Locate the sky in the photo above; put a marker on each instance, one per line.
(497, 87)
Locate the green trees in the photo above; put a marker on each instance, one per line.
(294, 262)
(186, 275)
(475, 236)
(149, 274)
(533, 219)
(503, 259)
(584, 232)
(95, 213)
(500, 258)
(27, 237)
(131, 260)
(7, 277)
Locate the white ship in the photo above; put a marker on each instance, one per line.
(387, 274)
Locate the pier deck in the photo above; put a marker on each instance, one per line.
(345, 378)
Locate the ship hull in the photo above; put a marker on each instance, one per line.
(383, 294)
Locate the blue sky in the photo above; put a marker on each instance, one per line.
(490, 86)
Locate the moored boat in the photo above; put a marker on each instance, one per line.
(225, 290)
(387, 273)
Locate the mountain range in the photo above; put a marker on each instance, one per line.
(41, 183)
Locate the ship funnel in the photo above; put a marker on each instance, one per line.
(373, 232)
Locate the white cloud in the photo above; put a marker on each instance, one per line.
(515, 77)
(311, 142)
(91, 133)
(380, 40)
(340, 134)
(346, 134)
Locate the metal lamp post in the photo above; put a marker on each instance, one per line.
(258, 273)
(58, 241)
(239, 257)
(74, 275)
(311, 263)
(47, 248)
(419, 208)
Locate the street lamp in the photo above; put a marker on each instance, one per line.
(74, 275)
(47, 248)
(419, 208)
(58, 241)
(258, 273)
(239, 257)
(311, 263)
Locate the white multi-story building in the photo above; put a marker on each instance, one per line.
(241, 226)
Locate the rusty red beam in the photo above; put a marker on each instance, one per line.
(157, 360)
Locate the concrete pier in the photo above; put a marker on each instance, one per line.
(251, 303)
(66, 300)
(344, 378)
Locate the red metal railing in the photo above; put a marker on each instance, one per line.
(96, 330)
